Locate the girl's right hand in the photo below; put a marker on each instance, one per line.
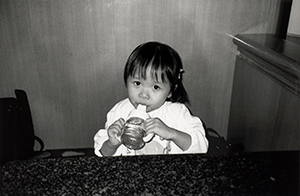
(114, 131)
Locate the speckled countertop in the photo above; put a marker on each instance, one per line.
(261, 173)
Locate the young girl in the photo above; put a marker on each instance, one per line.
(153, 77)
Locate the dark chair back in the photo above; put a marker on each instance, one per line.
(16, 128)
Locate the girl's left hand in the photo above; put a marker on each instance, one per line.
(158, 127)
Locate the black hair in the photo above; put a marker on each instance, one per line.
(160, 57)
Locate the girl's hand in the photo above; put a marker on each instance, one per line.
(158, 127)
(115, 130)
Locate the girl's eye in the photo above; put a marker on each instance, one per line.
(156, 87)
(136, 83)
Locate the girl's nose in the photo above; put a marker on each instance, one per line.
(144, 94)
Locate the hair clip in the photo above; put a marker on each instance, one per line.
(181, 71)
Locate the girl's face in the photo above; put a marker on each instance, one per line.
(148, 92)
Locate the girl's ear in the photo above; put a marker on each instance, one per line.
(170, 94)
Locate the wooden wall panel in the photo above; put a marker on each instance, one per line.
(265, 102)
(68, 55)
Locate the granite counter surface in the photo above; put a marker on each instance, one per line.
(259, 173)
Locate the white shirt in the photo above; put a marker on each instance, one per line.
(174, 115)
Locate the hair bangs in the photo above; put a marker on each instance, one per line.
(158, 71)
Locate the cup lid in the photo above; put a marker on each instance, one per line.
(140, 112)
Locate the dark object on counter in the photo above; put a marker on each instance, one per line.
(259, 173)
(219, 145)
(16, 129)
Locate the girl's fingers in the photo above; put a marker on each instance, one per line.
(120, 122)
(149, 122)
(116, 128)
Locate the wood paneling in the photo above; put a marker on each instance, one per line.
(265, 105)
(68, 55)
